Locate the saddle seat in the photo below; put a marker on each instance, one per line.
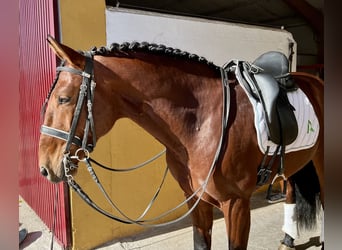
(269, 80)
(277, 65)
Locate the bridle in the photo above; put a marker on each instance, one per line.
(86, 94)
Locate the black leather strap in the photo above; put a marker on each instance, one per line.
(59, 134)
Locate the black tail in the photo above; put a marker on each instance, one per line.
(307, 190)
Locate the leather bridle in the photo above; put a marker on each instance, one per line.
(86, 95)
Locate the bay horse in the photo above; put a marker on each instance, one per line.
(178, 98)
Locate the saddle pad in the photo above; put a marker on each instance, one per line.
(308, 126)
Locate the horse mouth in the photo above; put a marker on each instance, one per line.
(57, 179)
(71, 167)
(59, 175)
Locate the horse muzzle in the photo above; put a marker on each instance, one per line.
(53, 176)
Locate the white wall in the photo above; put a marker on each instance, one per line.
(215, 40)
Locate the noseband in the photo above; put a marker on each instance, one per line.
(86, 94)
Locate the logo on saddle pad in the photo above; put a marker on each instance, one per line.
(308, 126)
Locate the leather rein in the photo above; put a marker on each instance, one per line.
(82, 154)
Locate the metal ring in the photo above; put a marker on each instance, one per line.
(86, 154)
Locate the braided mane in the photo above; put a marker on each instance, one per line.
(158, 49)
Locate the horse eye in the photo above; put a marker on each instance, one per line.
(63, 99)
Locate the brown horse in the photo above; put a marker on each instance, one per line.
(178, 98)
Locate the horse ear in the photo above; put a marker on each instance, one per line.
(66, 53)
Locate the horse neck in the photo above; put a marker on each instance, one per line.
(169, 99)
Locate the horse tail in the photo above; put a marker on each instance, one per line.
(307, 191)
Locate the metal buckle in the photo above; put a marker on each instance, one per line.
(254, 69)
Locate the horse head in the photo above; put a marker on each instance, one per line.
(61, 134)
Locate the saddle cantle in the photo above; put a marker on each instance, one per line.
(268, 80)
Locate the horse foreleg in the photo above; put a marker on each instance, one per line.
(237, 217)
(202, 221)
(290, 223)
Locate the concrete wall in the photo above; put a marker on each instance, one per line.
(215, 40)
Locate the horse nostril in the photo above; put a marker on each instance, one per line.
(44, 171)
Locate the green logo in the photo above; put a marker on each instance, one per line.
(309, 127)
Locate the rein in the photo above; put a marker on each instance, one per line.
(87, 94)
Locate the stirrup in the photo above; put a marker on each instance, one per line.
(276, 197)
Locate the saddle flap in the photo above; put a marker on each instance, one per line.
(281, 121)
(288, 122)
(269, 91)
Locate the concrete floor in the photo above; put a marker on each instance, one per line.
(38, 236)
(265, 233)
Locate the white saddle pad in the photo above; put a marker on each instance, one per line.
(308, 126)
